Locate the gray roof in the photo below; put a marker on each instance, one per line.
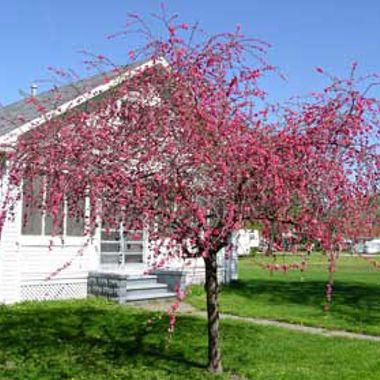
(16, 114)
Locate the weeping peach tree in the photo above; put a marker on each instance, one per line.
(185, 149)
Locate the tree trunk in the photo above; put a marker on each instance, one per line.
(212, 291)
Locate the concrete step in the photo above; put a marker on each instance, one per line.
(147, 296)
(147, 286)
(127, 288)
(141, 279)
(141, 289)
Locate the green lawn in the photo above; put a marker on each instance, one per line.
(299, 297)
(98, 340)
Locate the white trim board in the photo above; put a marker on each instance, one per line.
(11, 137)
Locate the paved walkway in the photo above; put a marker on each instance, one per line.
(187, 309)
(302, 328)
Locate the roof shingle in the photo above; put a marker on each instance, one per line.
(16, 114)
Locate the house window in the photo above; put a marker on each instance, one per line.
(119, 247)
(32, 200)
(75, 220)
(36, 222)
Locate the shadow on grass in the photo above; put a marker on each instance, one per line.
(352, 302)
(65, 341)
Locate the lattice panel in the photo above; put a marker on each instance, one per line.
(53, 291)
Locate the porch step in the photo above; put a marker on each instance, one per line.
(147, 296)
(144, 288)
(141, 280)
(124, 287)
(143, 285)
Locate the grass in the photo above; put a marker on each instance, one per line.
(99, 340)
(299, 297)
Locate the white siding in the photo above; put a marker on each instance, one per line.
(26, 263)
(9, 256)
(39, 264)
(37, 267)
(10, 274)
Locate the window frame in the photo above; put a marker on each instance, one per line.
(47, 240)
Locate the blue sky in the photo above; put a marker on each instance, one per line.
(304, 34)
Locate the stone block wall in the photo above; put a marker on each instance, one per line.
(182, 278)
(109, 285)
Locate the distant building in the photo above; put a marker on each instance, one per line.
(368, 246)
(244, 240)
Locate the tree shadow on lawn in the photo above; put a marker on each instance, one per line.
(72, 340)
(352, 302)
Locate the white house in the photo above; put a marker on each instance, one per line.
(111, 264)
(245, 239)
(368, 246)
